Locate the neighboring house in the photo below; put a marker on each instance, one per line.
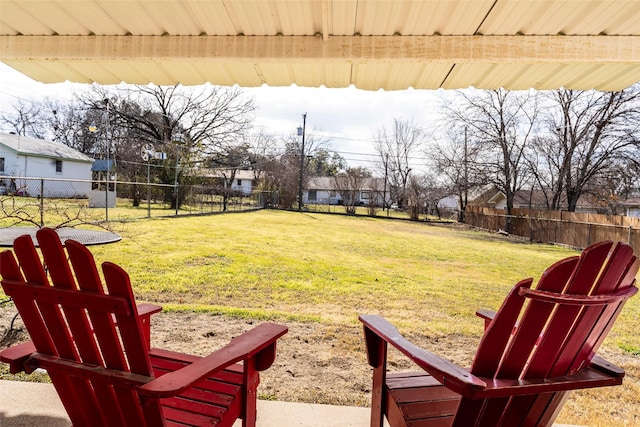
(631, 207)
(490, 196)
(25, 157)
(449, 202)
(322, 190)
(244, 181)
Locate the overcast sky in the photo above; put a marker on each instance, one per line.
(349, 118)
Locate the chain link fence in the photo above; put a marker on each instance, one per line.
(328, 205)
(55, 202)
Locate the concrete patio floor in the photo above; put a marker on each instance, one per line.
(35, 404)
(24, 404)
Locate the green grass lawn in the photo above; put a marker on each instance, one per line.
(287, 265)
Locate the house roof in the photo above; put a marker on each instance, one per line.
(490, 195)
(321, 183)
(27, 146)
(633, 202)
(423, 44)
(239, 173)
(328, 183)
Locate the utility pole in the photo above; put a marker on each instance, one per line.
(466, 169)
(465, 183)
(301, 131)
(108, 149)
(386, 177)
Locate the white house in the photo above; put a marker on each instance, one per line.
(25, 160)
(322, 190)
(243, 180)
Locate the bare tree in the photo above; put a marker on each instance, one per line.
(612, 186)
(24, 118)
(504, 123)
(417, 195)
(282, 173)
(433, 192)
(396, 147)
(589, 133)
(228, 160)
(188, 124)
(456, 160)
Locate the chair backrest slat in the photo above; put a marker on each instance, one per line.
(496, 337)
(534, 319)
(88, 280)
(135, 348)
(607, 319)
(51, 315)
(31, 317)
(549, 350)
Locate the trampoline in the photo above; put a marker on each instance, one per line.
(86, 237)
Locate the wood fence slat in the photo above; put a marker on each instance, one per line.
(575, 229)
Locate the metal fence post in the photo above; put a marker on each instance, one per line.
(41, 202)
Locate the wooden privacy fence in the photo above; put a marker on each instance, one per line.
(574, 229)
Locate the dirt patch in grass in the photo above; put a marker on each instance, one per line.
(323, 363)
(315, 362)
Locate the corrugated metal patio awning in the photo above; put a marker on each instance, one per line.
(428, 44)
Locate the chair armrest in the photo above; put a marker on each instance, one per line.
(145, 311)
(17, 355)
(487, 315)
(258, 342)
(607, 367)
(447, 373)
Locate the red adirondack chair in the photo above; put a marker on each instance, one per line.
(538, 346)
(95, 346)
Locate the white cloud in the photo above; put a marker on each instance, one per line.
(349, 117)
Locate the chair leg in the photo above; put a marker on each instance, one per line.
(377, 396)
(251, 381)
(377, 355)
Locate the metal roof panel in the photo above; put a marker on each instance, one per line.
(303, 62)
(39, 147)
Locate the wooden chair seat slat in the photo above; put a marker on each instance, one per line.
(208, 405)
(185, 418)
(536, 348)
(94, 342)
(417, 386)
(220, 389)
